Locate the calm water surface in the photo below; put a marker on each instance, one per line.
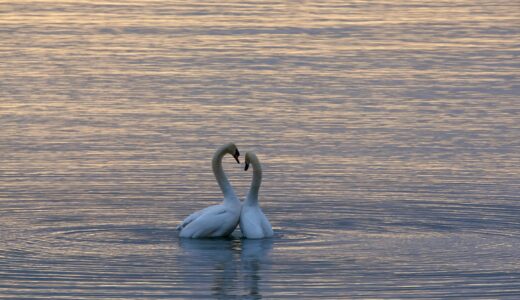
(388, 131)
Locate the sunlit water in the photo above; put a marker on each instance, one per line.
(389, 132)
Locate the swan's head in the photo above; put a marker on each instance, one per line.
(250, 156)
(232, 149)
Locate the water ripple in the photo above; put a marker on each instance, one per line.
(387, 130)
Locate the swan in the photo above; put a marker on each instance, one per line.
(216, 220)
(253, 223)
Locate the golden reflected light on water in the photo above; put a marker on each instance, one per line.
(387, 130)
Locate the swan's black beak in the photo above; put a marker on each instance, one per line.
(236, 155)
(247, 166)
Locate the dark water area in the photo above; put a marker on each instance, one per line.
(388, 133)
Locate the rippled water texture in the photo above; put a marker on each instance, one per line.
(389, 134)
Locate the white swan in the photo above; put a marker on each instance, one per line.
(216, 220)
(253, 223)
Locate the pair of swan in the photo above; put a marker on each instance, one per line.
(220, 220)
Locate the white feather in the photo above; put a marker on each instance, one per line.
(253, 222)
(217, 220)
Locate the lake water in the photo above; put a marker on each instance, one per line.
(389, 134)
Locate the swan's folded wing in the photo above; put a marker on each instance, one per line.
(266, 226)
(192, 217)
(215, 222)
(250, 223)
(254, 224)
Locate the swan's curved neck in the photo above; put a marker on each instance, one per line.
(252, 196)
(223, 182)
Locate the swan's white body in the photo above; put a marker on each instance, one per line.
(253, 223)
(216, 220)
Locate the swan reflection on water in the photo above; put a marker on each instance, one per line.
(253, 258)
(230, 265)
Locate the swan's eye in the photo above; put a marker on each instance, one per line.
(247, 166)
